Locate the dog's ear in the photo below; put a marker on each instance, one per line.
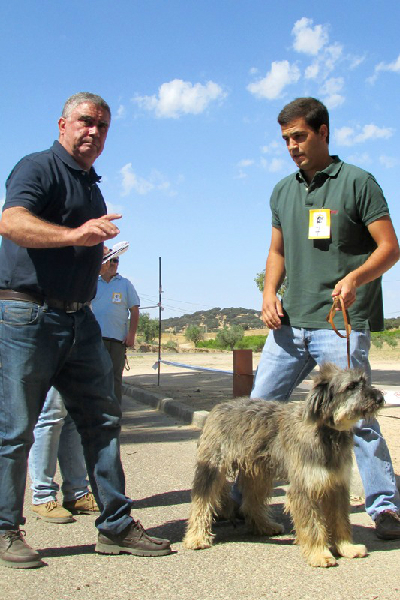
(320, 391)
(326, 373)
(315, 400)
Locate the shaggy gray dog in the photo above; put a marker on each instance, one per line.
(308, 443)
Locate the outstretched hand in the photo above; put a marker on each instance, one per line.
(95, 231)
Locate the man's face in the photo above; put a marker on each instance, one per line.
(114, 262)
(84, 133)
(308, 148)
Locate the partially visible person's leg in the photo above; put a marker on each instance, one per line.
(86, 384)
(28, 360)
(77, 497)
(371, 451)
(284, 363)
(116, 351)
(43, 461)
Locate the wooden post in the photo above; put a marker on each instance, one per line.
(242, 372)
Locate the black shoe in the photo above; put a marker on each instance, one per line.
(133, 540)
(15, 552)
(387, 525)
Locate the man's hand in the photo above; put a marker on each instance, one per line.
(95, 231)
(129, 341)
(346, 288)
(29, 231)
(272, 311)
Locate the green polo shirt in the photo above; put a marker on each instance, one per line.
(314, 266)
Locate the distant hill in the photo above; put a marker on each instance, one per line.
(214, 319)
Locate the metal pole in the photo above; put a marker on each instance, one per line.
(159, 319)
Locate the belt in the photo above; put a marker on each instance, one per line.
(50, 302)
(106, 339)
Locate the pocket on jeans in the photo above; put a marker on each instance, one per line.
(21, 313)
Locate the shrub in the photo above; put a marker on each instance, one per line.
(229, 336)
(252, 342)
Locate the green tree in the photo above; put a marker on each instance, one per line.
(194, 333)
(229, 336)
(259, 279)
(147, 327)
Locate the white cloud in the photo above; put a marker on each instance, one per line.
(389, 161)
(325, 62)
(121, 112)
(272, 148)
(355, 61)
(113, 208)
(393, 67)
(273, 165)
(271, 86)
(363, 159)
(131, 181)
(246, 162)
(178, 97)
(240, 175)
(347, 136)
(308, 39)
(330, 92)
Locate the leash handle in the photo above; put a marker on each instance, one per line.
(338, 303)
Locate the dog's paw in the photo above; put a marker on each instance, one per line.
(349, 550)
(321, 558)
(266, 528)
(196, 543)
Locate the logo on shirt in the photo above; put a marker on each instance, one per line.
(117, 297)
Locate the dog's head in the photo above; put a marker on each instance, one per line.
(340, 398)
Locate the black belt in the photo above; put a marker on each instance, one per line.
(50, 302)
(112, 340)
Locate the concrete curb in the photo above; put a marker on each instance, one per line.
(169, 406)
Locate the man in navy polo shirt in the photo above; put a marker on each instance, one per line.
(54, 224)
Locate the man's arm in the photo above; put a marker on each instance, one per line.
(133, 324)
(29, 231)
(384, 256)
(274, 275)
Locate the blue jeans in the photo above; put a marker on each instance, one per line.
(289, 355)
(39, 348)
(56, 435)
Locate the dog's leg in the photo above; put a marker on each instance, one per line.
(310, 526)
(256, 490)
(338, 510)
(209, 482)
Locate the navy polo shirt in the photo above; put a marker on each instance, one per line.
(52, 186)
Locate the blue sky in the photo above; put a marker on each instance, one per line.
(194, 149)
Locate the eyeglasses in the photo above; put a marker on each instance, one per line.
(114, 260)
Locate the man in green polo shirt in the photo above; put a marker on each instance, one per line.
(332, 236)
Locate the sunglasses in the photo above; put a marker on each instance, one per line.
(114, 260)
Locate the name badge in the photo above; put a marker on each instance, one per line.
(117, 297)
(319, 227)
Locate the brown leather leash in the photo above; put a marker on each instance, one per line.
(338, 303)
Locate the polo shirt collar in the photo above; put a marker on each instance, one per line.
(331, 170)
(116, 276)
(65, 156)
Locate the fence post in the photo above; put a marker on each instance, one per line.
(242, 372)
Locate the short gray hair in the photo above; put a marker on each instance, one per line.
(79, 98)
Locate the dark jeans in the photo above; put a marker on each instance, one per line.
(41, 347)
(117, 351)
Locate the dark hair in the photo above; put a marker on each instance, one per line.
(311, 110)
(79, 98)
